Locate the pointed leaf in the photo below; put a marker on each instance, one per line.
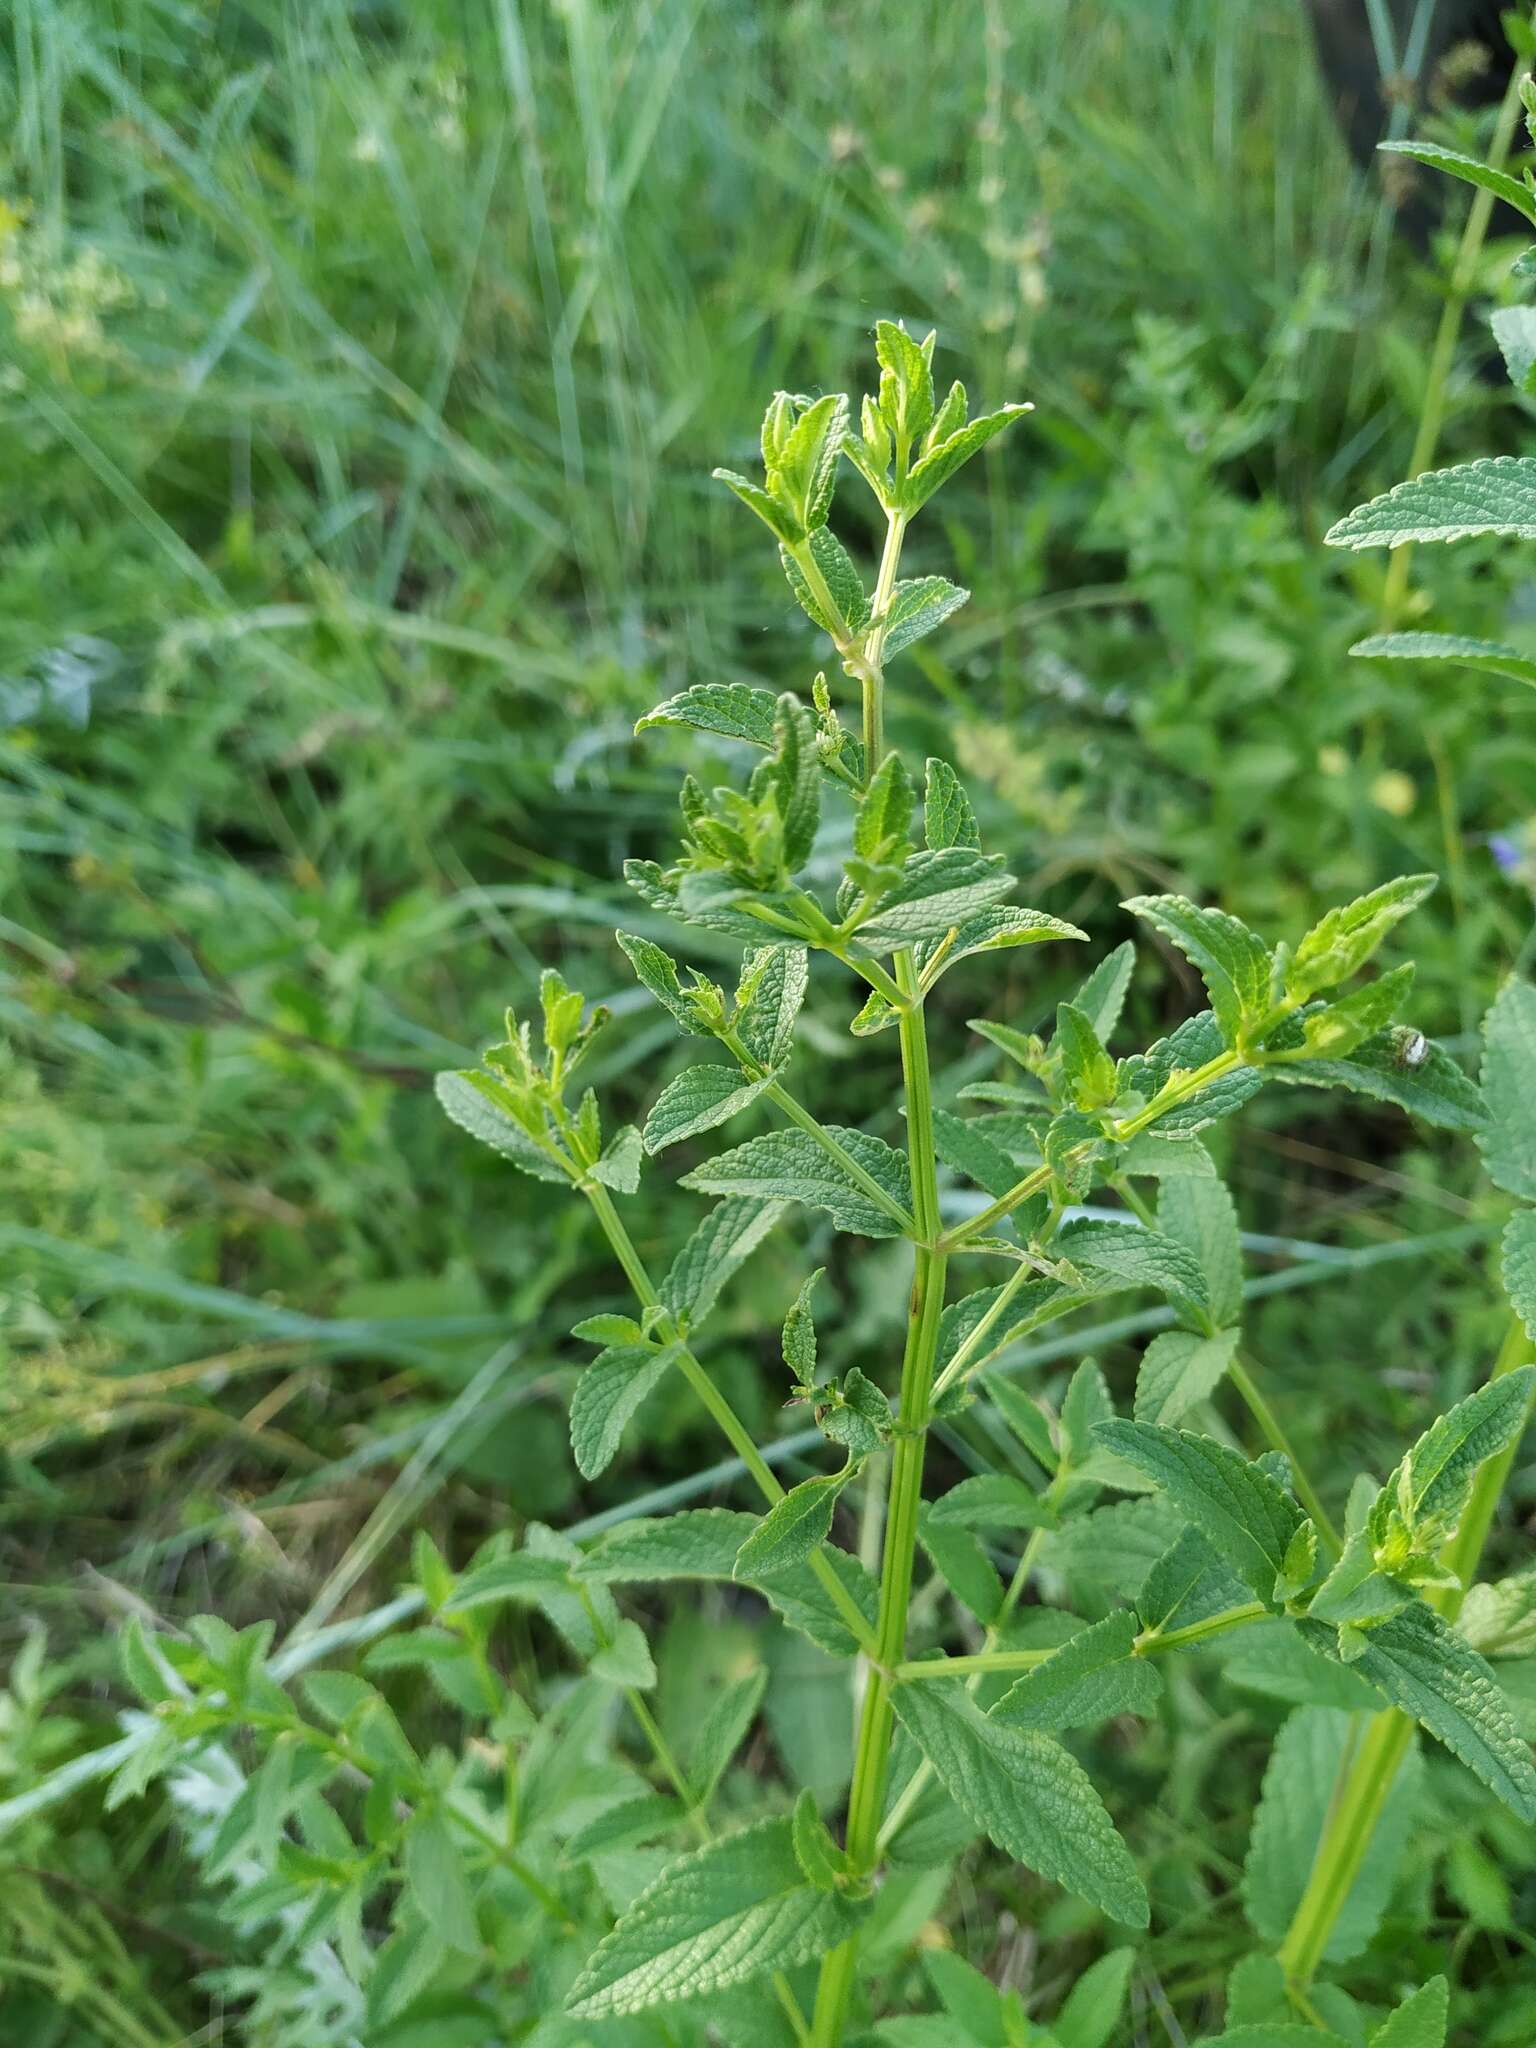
(1494, 495)
(1490, 655)
(791, 1166)
(1092, 1677)
(698, 1100)
(607, 1395)
(948, 819)
(1232, 961)
(1243, 1511)
(916, 608)
(719, 1245)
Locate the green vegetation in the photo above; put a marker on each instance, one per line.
(400, 1651)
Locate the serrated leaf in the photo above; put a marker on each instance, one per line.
(1188, 1584)
(1508, 1140)
(1232, 961)
(699, 1099)
(992, 1500)
(625, 1659)
(797, 777)
(948, 819)
(1199, 1214)
(768, 1001)
(779, 520)
(723, 1731)
(464, 1099)
(1101, 997)
(724, 1915)
(798, 1343)
(1496, 494)
(962, 1143)
(717, 1248)
(1179, 1370)
(607, 1395)
(1116, 1255)
(525, 1576)
(821, 1861)
(437, 1884)
(936, 891)
(792, 1528)
(1401, 1067)
(1435, 1479)
(916, 608)
(1341, 942)
(1490, 655)
(1088, 1068)
(1024, 1416)
(1499, 1619)
(1293, 1808)
(731, 711)
(963, 1564)
(842, 580)
(657, 971)
(940, 464)
(624, 1824)
(885, 813)
(1197, 1040)
(1420, 2021)
(1033, 1799)
(1095, 2003)
(1092, 1677)
(1247, 1516)
(906, 382)
(1470, 169)
(619, 1165)
(1426, 1669)
(1005, 926)
(789, 1166)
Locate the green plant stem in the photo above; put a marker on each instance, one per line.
(1463, 276)
(1151, 1644)
(874, 646)
(1366, 1778)
(967, 1353)
(877, 1720)
(730, 1424)
(1241, 1376)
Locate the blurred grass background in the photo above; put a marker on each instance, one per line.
(363, 367)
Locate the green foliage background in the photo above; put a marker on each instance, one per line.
(362, 372)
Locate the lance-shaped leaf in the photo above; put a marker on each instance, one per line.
(657, 971)
(792, 1527)
(468, 1098)
(1232, 961)
(992, 1500)
(1400, 1066)
(731, 711)
(948, 819)
(1514, 329)
(963, 1143)
(1433, 1482)
(941, 462)
(698, 1100)
(1420, 2021)
(1470, 169)
(1425, 1668)
(1187, 1584)
(906, 380)
(1491, 656)
(619, 1164)
(789, 1166)
(916, 607)
(1004, 926)
(1508, 1140)
(718, 1246)
(936, 891)
(724, 1915)
(1093, 1676)
(885, 814)
(768, 999)
(1341, 942)
(779, 519)
(842, 582)
(1180, 1369)
(1115, 1255)
(1517, 1267)
(1102, 996)
(1198, 1213)
(1494, 495)
(607, 1395)
(1024, 1790)
(1196, 1041)
(1247, 1515)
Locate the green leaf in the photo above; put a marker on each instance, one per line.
(1496, 494)
(885, 814)
(906, 381)
(1179, 1370)
(1435, 1479)
(1245, 1513)
(1024, 1416)
(797, 777)
(718, 1247)
(820, 1860)
(625, 1824)
(916, 608)
(1088, 1068)
(723, 1731)
(1188, 1584)
(1095, 2003)
(1341, 942)
(1232, 961)
(1399, 1066)
(1275, 2034)
(1490, 655)
(1199, 1214)
(657, 971)
(1101, 997)
(466, 1097)
(525, 1576)
(936, 891)
(724, 1915)
(805, 474)
(436, 1881)
(1033, 1799)
(1499, 1618)
(699, 1099)
(1426, 1669)
(1002, 927)
(964, 1566)
(1197, 1040)
(1090, 1678)
(768, 999)
(1116, 1255)
(1514, 329)
(940, 464)
(798, 1343)
(1508, 1140)
(1469, 168)
(779, 520)
(625, 1659)
(841, 578)
(731, 711)
(608, 1393)
(992, 1500)
(792, 1527)
(1293, 1808)
(619, 1165)
(962, 1142)
(789, 1166)
(948, 819)
(1420, 2021)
